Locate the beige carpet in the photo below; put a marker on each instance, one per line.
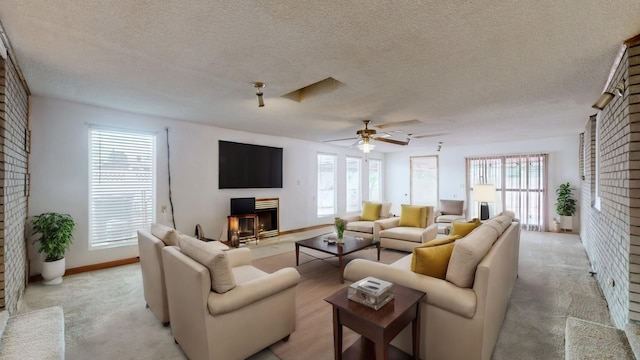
(106, 318)
(586, 340)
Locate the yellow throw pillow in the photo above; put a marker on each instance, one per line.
(370, 211)
(413, 216)
(462, 229)
(432, 258)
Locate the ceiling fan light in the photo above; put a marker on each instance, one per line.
(366, 146)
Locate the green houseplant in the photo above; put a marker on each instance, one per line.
(565, 205)
(56, 234)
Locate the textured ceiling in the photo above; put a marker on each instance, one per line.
(474, 71)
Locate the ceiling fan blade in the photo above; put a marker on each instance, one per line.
(422, 136)
(344, 139)
(398, 123)
(392, 141)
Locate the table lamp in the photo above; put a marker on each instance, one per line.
(484, 194)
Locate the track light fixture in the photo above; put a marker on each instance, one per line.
(607, 96)
(259, 86)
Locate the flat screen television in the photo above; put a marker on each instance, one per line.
(242, 206)
(247, 166)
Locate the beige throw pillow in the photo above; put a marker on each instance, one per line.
(467, 254)
(169, 236)
(215, 260)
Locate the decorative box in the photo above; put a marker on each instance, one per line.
(370, 291)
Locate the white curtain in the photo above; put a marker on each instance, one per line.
(521, 185)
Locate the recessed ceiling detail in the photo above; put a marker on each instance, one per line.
(318, 88)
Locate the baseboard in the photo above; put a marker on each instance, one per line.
(86, 268)
(303, 229)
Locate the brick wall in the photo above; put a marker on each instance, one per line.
(611, 234)
(13, 197)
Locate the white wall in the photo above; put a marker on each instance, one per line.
(563, 167)
(59, 174)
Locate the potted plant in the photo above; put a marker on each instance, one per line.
(56, 233)
(565, 205)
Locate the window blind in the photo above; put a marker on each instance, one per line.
(121, 186)
(326, 166)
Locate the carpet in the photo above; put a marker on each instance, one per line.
(106, 318)
(313, 338)
(586, 340)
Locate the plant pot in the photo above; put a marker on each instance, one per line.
(566, 223)
(52, 272)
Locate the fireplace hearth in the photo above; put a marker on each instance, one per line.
(267, 211)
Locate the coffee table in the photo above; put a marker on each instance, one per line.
(351, 244)
(377, 327)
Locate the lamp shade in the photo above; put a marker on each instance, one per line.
(484, 193)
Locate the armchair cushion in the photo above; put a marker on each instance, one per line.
(361, 226)
(413, 216)
(451, 207)
(370, 211)
(463, 229)
(215, 260)
(432, 258)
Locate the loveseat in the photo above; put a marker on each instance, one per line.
(222, 307)
(150, 245)
(461, 315)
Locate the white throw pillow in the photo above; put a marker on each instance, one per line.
(215, 260)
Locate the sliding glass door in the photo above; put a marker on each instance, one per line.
(521, 186)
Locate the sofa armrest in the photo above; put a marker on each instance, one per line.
(440, 293)
(386, 223)
(252, 291)
(430, 233)
(238, 257)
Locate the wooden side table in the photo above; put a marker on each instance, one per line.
(377, 327)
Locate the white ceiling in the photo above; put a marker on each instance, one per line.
(476, 71)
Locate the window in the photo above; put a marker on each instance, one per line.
(424, 180)
(121, 186)
(521, 186)
(326, 185)
(354, 180)
(375, 180)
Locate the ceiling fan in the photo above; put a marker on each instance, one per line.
(365, 135)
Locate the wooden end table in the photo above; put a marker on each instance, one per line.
(351, 244)
(377, 327)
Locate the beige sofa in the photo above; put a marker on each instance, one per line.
(393, 236)
(150, 245)
(365, 228)
(461, 316)
(248, 310)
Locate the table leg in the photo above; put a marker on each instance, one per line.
(337, 334)
(341, 264)
(297, 254)
(378, 247)
(382, 350)
(415, 332)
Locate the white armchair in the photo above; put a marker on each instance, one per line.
(362, 225)
(235, 323)
(450, 211)
(404, 233)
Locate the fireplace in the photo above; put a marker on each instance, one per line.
(267, 211)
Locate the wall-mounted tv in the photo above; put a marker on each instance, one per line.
(247, 166)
